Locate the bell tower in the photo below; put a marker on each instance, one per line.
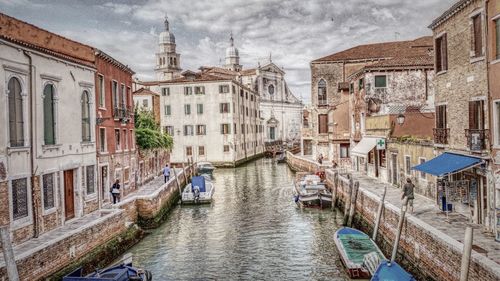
(167, 59)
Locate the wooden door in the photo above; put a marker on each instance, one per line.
(69, 202)
(394, 169)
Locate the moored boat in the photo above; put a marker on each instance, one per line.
(391, 271)
(205, 168)
(199, 191)
(121, 272)
(312, 192)
(353, 245)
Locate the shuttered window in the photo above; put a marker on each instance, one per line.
(323, 124)
(441, 53)
(441, 121)
(225, 129)
(476, 36)
(90, 179)
(476, 115)
(322, 96)
(497, 38)
(16, 120)
(85, 116)
(199, 108)
(48, 191)
(48, 115)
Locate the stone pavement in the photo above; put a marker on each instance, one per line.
(426, 210)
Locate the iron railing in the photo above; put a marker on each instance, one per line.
(476, 139)
(441, 135)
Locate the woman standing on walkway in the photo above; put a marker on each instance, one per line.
(115, 191)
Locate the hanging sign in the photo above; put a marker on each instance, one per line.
(380, 144)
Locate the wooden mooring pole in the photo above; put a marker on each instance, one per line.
(379, 214)
(400, 228)
(177, 181)
(464, 270)
(352, 210)
(334, 190)
(184, 173)
(8, 254)
(347, 202)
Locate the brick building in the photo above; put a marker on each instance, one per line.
(493, 56)
(462, 111)
(47, 141)
(116, 151)
(331, 116)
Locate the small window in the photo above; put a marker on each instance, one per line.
(371, 157)
(223, 89)
(225, 129)
(168, 110)
(102, 139)
(380, 81)
(344, 150)
(201, 130)
(188, 91)
(114, 89)
(20, 198)
(199, 90)
(351, 88)
(441, 53)
(117, 139)
(48, 191)
(360, 83)
(187, 109)
(477, 36)
(408, 165)
(226, 148)
(169, 130)
(90, 176)
(145, 103)
(382, 158)
(497, 38)
(102, 94)
(322, 95)
(86, 116)
(201, 150)
(224, 108)
(188, 130)
(199, 108)
(165, 91)
(49, 121)
(323, 123)
(422, 174)
(189, 151)
(233, 89)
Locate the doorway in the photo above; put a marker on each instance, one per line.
(69, 201)
(394, 161)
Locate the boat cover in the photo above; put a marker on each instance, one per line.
(200, 182)
(448, 163)
(357, 244)
(392, 272)
(364, 146)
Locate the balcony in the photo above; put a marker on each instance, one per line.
(123, 112)
(441, 135)
(476, 139)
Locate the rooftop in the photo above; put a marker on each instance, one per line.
(417, 47)
(457, 7)
(144, 92)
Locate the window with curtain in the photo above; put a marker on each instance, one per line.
(85, 116)
(48, 114)
(16, 121)
(322, 92)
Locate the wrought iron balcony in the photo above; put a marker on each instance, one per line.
(441, 135)
(119, 112)
(476, 139)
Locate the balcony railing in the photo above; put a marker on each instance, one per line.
(441, 135)
(123, 112)
(476, 139)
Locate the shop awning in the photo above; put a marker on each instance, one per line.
(364, 146)
(448, 163)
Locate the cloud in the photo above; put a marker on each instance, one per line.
(295, 31)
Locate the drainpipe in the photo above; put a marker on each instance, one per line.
(34, 198)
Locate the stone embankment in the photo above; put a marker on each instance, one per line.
(425, 251)
(97, 239)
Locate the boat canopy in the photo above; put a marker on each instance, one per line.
(391, 271)
(199, 181)
(448, 163)
(364, 146)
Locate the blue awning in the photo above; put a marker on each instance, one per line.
(448, 163)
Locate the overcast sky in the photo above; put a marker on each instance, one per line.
(294, 31)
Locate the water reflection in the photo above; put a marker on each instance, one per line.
(252, 231)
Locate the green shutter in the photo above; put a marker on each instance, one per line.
(48, 114)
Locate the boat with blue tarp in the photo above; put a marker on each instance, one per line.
(391, 271)
(121, 272)
(199, 191)
(353, 245)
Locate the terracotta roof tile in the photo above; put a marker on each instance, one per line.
(28, 35)
(419, 46)
(144, 92)
(404, 62)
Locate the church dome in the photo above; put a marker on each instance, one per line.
(232, 52)
(167, 37)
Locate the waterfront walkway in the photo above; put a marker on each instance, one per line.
(426, 210)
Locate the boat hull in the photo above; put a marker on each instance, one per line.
(188, 196)
(122, 272)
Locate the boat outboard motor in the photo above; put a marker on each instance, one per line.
(196, 193)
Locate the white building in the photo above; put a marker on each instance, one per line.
(211, 118)
(47, 140)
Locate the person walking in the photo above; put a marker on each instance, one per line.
(166, 173)
(115, 191)
(320, 158)
(408, 190)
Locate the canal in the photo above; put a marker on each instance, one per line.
(252, 231)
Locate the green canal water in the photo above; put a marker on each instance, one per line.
(253, 230)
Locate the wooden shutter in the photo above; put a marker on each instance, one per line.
(444, 52)
(323, 123)
(478, 41)
(473, 122)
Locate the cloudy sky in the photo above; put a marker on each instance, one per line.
(294, 31)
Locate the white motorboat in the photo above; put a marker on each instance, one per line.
(312, 192)
(205, 168)
(199, 191)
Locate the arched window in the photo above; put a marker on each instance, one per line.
(270, 89)
(48, 115)
(85, 116)
(175, 61)
(322, 92)
(16, 122)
